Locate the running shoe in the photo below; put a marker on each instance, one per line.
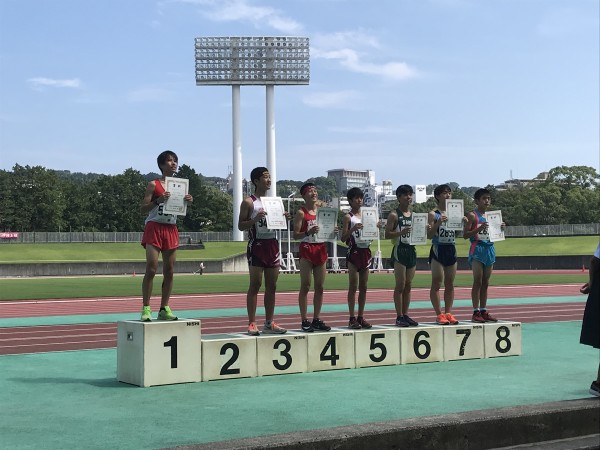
(451, 319)
(487, 317)
(273, 329)
(410, 322)
(353, 324)
(166, 314)
(477, 317)
(595, 389)
(146, 314)
(253, 329)
(307, 326)
(319, 325)
(363, 323)
(442, 319)
(400, 322)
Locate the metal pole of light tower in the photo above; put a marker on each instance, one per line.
(271, 160)
(237, 161)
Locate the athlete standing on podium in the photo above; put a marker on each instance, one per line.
(442, 257)
(160, 235)
(358, 259)
(263, 253)
(313, 259)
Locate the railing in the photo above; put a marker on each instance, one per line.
(220, 236)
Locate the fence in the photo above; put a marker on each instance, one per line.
(214, 236)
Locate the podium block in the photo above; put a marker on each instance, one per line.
(502, 338)
(282, 353)
(228, 356)
(330, 350)
(463, 341)
(156, 353)
(377, 346)
(424, 343)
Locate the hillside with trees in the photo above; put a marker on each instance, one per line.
(39, 199)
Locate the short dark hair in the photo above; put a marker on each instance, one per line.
(164, 155)
(441, 189)
(404, 189)
(256, 173)
(306, 186)
(355, 193)
(480, 193)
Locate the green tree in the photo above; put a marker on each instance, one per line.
(118, 201)
(80, 212)
(37, 199)
(567, 177)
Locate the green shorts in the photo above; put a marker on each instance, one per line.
(405, 255)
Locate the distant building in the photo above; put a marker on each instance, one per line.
(347, 179)
(520, 182)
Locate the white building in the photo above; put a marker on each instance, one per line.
(347, 179)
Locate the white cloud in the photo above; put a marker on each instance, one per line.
(340, 99)
(350, 49)
(243, 11)
(39, 83)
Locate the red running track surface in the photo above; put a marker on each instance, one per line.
(33, 339)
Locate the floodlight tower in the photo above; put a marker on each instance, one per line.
(262, 61)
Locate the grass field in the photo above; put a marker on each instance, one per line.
(107, 252)
(118, 286)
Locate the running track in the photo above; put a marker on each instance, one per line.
(36, 339)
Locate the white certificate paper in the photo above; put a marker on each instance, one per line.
(275, 213)
(175, 204)
(418, 232)
(494, 220)
(326, 221)
(369, 218)
(455, 211)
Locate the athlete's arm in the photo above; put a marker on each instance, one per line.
(346, 230)
(391, 223)
(244, 221)
(147, 203)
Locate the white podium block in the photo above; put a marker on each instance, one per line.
(377, 346)
(282, 353)
(424, 343)
(162, 352)
(502, 338)
(330, 350)
(228, 356)
(463, 341)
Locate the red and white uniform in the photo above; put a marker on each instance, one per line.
(160, 230)
(315, 252)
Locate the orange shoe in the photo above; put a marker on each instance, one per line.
(442, 320)
(253, 329)
(451, 319)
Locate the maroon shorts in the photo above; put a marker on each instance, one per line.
(263, 253)
(316, 253)
(361, 258)
(163, 236)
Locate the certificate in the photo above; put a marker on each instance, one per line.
(494, 220)
(369, 220)
(175, 204)
(273, 206)
(326, 221)
(418, 232)
(455, 211)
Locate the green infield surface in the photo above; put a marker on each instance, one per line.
(101, 252)
(122, 286)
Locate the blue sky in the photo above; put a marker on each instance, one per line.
(420, 91)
